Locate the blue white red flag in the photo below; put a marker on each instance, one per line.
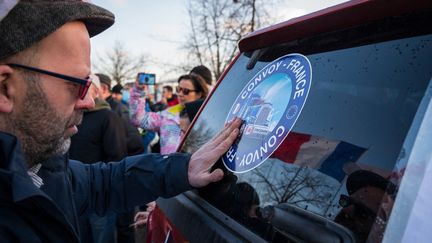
(326, 155)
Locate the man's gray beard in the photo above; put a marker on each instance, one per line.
(38, 127)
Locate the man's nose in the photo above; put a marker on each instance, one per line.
(86, 103)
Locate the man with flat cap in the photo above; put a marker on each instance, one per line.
(44, 69)
(366, 209)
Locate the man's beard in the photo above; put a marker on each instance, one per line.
(38, 126)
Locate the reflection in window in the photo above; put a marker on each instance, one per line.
(306, 171)
(360, 108)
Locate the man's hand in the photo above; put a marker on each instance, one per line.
(205, 157)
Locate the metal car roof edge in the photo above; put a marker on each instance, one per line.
(334, 18)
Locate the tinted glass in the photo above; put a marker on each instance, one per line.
(360, 107)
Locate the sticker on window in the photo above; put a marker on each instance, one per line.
(269, 105)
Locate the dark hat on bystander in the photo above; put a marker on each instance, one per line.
(363, 178)
(32, 20)
(117, 89)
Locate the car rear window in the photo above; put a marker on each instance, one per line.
(359, 109)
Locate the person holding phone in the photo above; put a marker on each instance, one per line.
(146, 78)
(166, 122)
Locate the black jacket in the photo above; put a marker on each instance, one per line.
(73, 189)
(101, 136)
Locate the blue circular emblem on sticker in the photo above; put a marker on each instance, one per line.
(269, 105)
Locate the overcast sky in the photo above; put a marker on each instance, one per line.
(157, 28)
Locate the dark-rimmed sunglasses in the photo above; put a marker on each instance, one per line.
(84, 83)
(185, 91)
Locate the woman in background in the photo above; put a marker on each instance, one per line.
(167, 122)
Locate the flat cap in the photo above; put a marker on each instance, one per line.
(364, 178)
(105, 79)
(32, 20)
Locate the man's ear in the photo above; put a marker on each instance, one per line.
(6, 89)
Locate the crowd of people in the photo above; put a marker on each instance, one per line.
(79, 155)
(107, 134)
(72, 164)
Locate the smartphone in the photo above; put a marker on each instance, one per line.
(146, 78)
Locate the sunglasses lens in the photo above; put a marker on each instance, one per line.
(185, 91)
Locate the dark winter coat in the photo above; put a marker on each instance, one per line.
(71, 189)
(101, 136)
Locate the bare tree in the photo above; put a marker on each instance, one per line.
(296, 185)
(216, 26)
(120, 64)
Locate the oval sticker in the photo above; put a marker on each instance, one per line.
(269, 105)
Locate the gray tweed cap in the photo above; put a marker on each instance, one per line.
(32, 20)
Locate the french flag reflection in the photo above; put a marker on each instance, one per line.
(326, 155)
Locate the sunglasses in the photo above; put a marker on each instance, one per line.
(84, 83)
(359, 208)
(185, 91)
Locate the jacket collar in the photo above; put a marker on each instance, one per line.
(13, 168)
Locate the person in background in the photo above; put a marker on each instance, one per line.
(142, 217)
(117, 93)
(361, 209)
(245, 204)
(168, 99)
(204, 73)
(126, 93)
(166, 122)
(101, 137)
(188, 114)
(135, 144)
(168, 96)
(186, 117)
(44, 75)
(106, 93)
